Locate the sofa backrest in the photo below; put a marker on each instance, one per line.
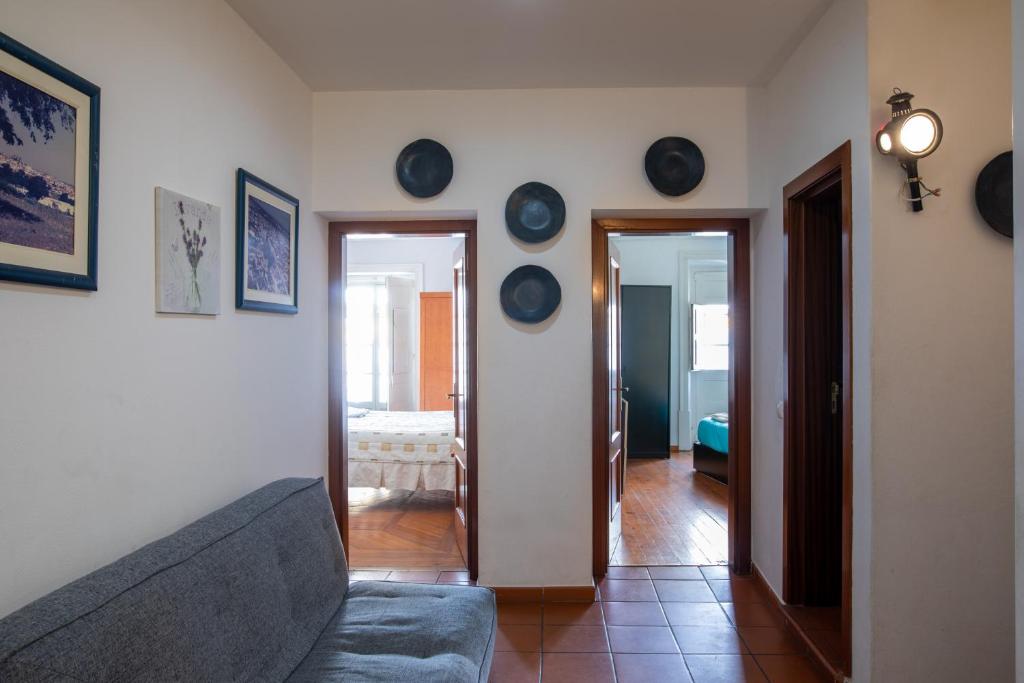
(241, 594)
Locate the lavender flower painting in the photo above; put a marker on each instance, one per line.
(188, 254)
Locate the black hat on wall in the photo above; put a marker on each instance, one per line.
(530, 294)
(993, 193)
(674, 166)
(534, 212)
(424, 168)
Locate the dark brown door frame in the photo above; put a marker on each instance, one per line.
(337, 420)
(738, 230)
(834, 168)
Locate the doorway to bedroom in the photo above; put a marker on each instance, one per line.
(671, 397)
(673, 329)
(403, 368)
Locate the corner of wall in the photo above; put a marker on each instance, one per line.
(167, 416)
(816, 100)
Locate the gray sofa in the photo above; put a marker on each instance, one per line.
(256, 591)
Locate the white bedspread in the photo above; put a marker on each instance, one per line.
(402, 450)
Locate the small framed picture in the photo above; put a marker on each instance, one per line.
(187, 255)
(267, 241)
(49, 169)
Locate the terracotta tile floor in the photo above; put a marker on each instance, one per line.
(652, 630)
(642, 630)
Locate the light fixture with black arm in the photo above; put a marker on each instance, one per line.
(909, 135)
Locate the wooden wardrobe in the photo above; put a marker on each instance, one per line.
(646, 368)
(435, 350)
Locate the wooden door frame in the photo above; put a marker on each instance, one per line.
(337, 419)
(836, 167)
(738, 230)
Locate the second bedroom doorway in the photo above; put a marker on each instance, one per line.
(671, 396)
(403, 389)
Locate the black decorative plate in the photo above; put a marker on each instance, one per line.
(674, 166)
(534, 212)
(424, 168)
(993, 193)
(530, 294)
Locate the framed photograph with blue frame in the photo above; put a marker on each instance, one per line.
(49, 171)
(266, 247)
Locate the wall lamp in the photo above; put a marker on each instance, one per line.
(910, 134)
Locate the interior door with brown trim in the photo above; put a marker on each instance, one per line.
(460, 453)
(616, 440)
(817, 434)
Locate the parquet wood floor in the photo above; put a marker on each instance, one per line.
(671, 515)
(402, 530)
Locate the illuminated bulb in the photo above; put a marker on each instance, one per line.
(917, 133)
(885, 142)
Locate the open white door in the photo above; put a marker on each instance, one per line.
(402, 302)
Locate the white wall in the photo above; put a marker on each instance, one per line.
(433, 253)
(942, 389)
(655, 261)
(117, 426)
(535, 400)
(815, 103)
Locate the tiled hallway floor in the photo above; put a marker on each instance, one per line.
(652, 625)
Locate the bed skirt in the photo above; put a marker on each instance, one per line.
(714, 464)
(410, 476)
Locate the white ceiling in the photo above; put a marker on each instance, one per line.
(469, 44)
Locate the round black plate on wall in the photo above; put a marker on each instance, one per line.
(534, 212)
(993, 193)
(530, 294)
(424, 168)
(674, 166)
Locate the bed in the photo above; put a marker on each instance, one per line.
(711, 449)
(401, 450)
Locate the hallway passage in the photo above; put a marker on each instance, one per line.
(671, 515)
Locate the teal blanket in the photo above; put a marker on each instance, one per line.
(713, 434)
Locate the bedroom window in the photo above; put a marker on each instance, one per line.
(710, 336)
(367, 346)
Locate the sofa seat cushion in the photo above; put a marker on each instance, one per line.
(406, 632)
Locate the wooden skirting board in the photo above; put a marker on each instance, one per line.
(815, 655)
(507, 594)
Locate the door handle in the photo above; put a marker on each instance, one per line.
(624, 390)
(453, 395)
